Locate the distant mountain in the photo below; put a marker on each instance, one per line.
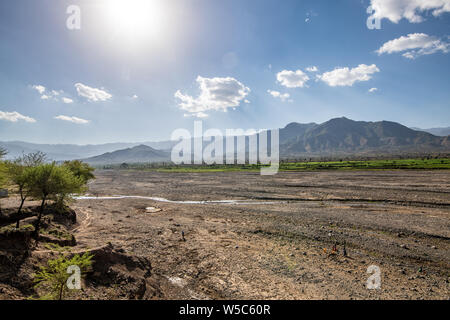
(295, 131)
(347, 136)
(441, 132)
(60, 152)
(337, 136)
(140, 153)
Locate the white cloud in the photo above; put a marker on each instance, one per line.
(276, 94)
(292, 79)
(347, 77)
(134, 96)
(14, 117)
(371, 90)
(312, 69)
(47, 94)
(92, 94)
(72, 119)
(414, 45)
(215, 94)
(395, 10)
(67, 100)
(39, 88)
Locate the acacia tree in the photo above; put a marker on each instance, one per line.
(80, 169)
(48, 181)
(33, 159)
(21, 178)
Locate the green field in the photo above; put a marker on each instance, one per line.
(398, 164)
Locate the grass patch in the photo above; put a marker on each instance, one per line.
(395, 164)
(57, 247)
(12, 228)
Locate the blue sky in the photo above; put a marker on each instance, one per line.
(233, 64)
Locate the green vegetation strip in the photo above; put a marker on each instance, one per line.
(398, 164)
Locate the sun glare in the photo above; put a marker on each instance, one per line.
(136, 18)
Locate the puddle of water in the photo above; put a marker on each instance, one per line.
(118, 197)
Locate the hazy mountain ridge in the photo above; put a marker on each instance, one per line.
(60, 152)
(140, 153)
(336, 136)
(441, 132)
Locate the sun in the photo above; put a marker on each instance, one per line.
(135, 18)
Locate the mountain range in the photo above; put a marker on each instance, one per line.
(140, 153)
(339, 136)
(441, 132)
(60, 152)
(342, 135)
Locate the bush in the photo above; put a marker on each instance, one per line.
(54, 276)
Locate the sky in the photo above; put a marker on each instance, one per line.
(98, 71)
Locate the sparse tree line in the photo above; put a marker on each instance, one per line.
(31, 177)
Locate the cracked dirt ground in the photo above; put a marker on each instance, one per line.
(397, 220)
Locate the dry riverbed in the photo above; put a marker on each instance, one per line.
(283, 249)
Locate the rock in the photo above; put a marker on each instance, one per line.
(113, 266)
(152, 210)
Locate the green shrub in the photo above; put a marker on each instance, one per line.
(53, 277)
